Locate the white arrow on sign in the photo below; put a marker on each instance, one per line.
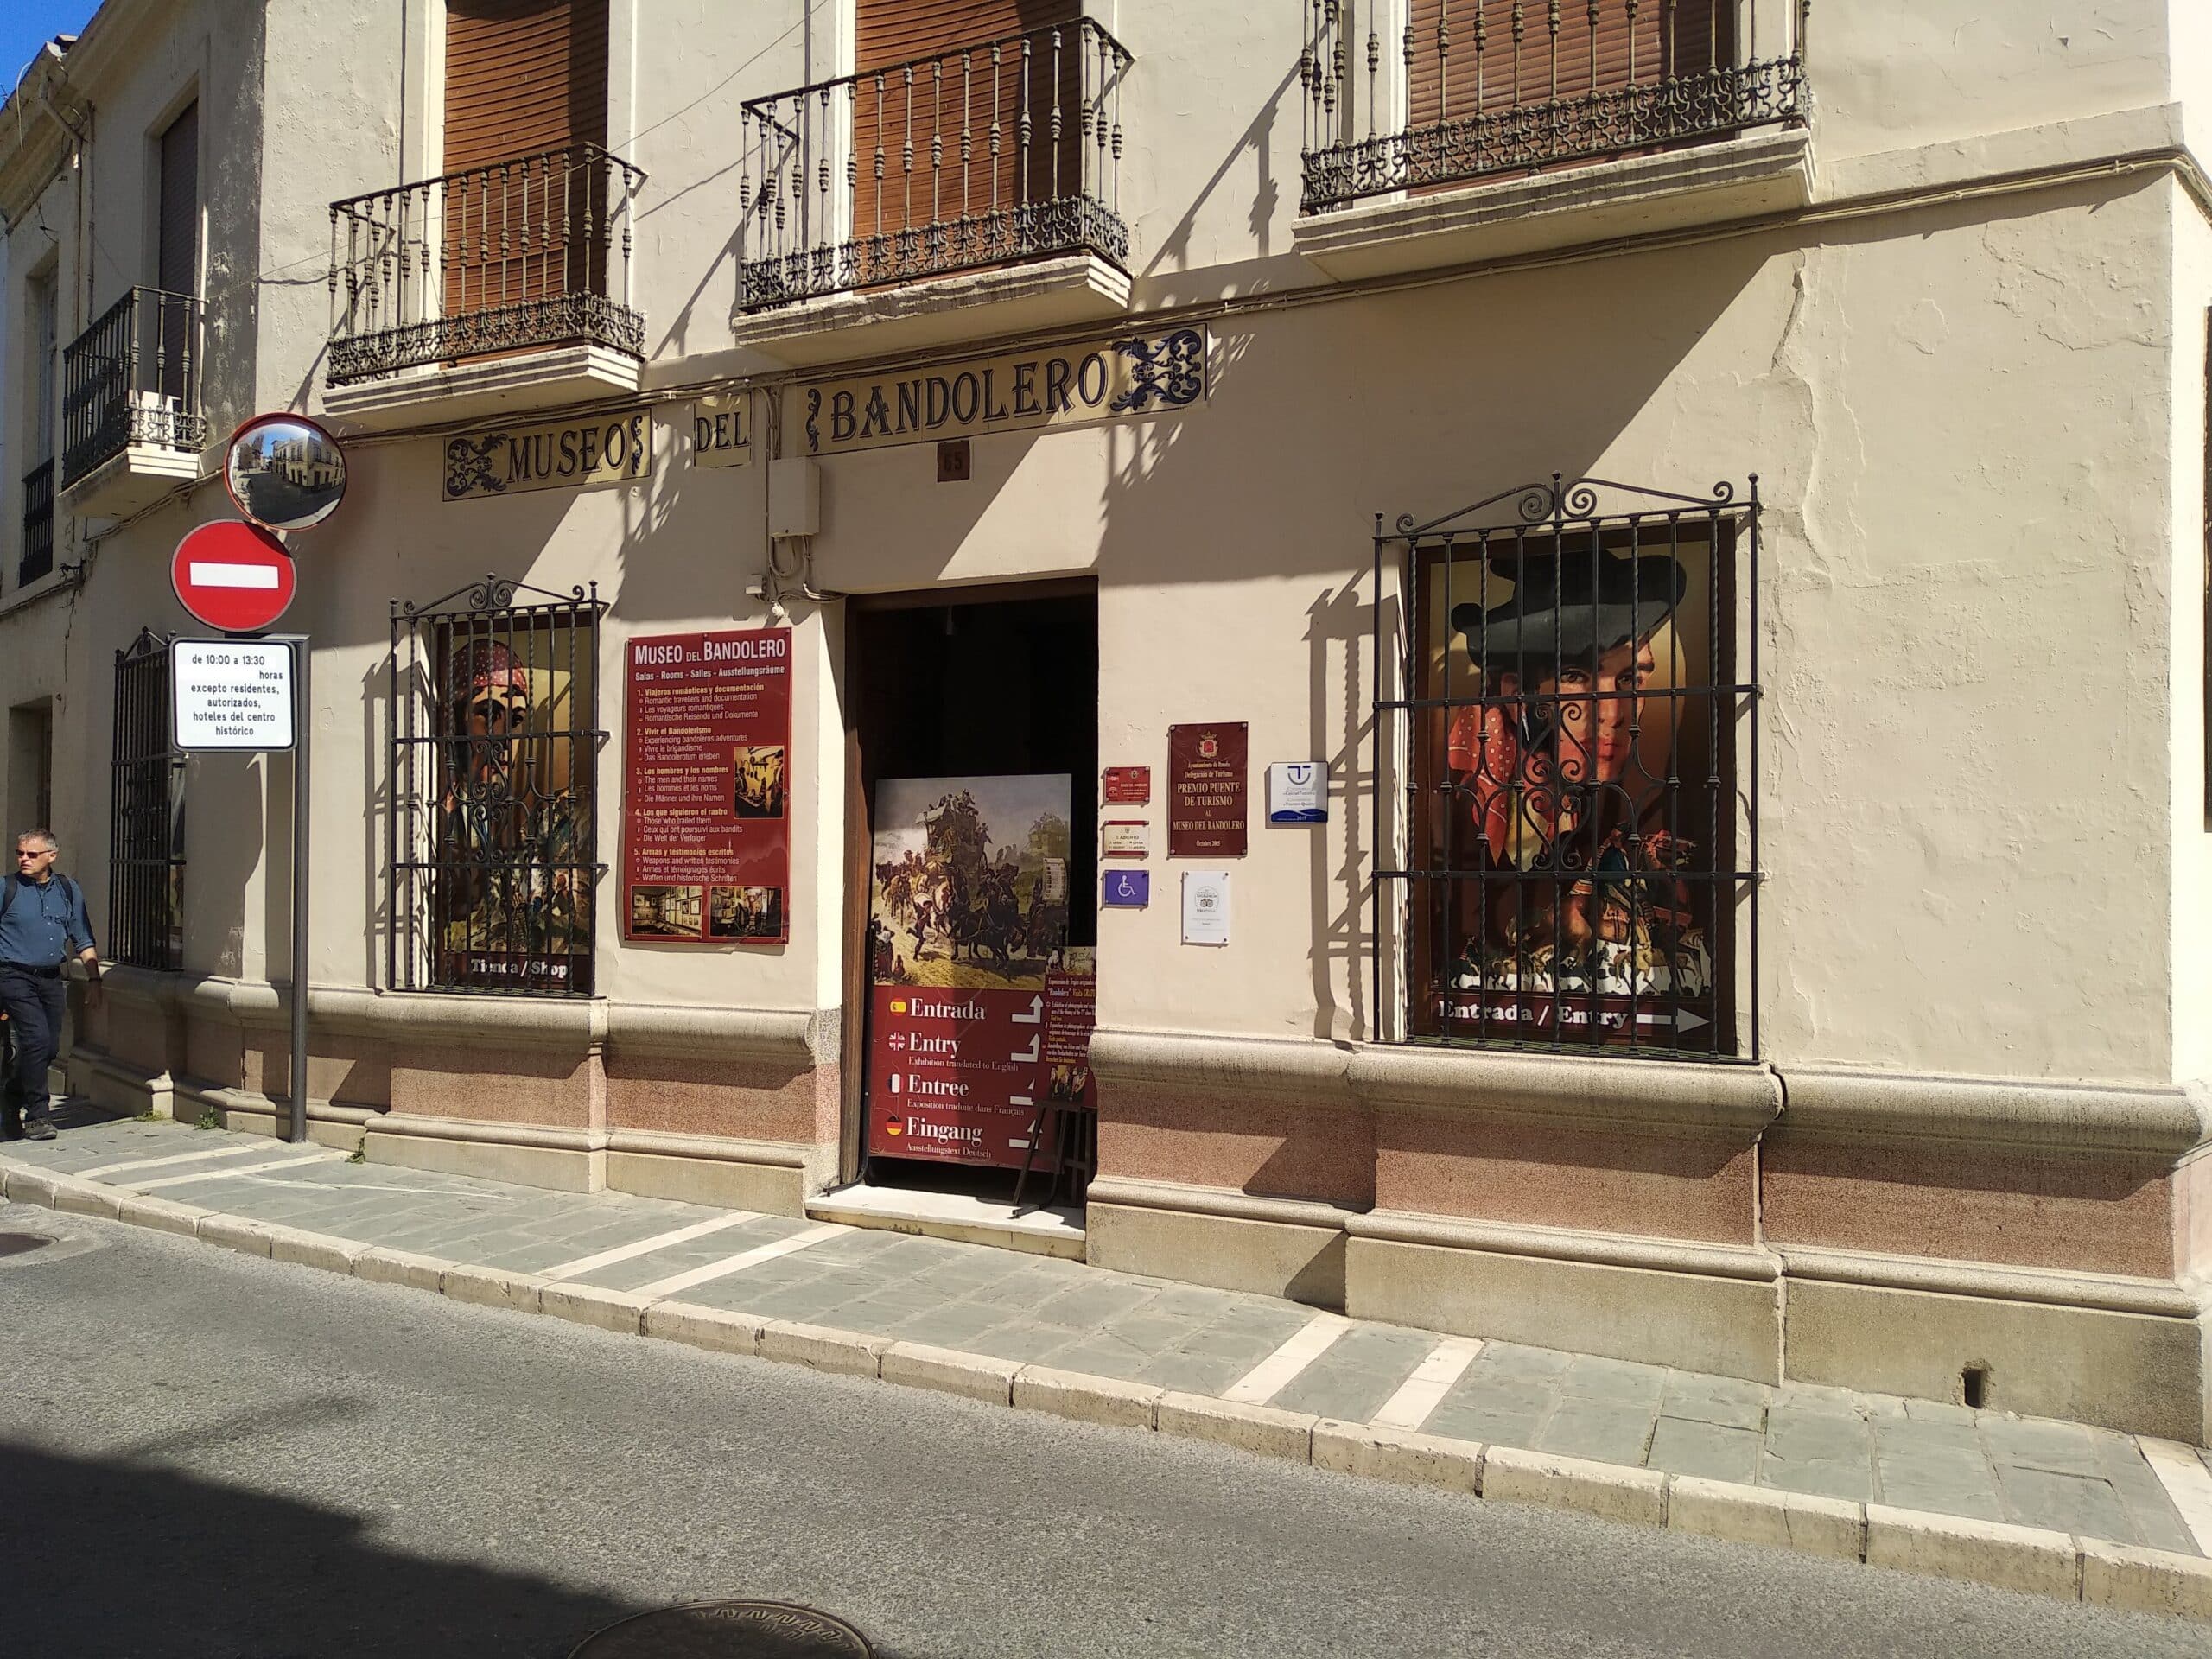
(1035, 1015)
(1030, 1052)
(1681, 1019)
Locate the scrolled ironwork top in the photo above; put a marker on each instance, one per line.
(494, 593)
(1560, 499)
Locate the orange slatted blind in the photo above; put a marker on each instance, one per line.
(1670, 38)
(950, 100)
(523, 78)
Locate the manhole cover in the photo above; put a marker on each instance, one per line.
(22, 1244)
(728, 1630)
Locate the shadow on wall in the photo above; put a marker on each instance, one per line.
(1406, 403)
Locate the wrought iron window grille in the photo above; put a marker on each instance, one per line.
(133, 378)
(36, 557)
(1468, 90)
(145, 813)
(982, 155)
(532, 252)
(1566, 815)
(491, 797)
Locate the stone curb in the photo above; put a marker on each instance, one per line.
(2057, 1565)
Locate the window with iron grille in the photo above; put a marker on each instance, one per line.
(494, 756)
(145, 814)
(1573, 863)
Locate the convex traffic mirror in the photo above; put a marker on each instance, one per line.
(285, 473)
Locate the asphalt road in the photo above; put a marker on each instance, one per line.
(205, 1455)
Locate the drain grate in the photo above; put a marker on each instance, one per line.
(728, 1630)
(22, 1244)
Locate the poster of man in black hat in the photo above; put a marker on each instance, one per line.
(1575, 712)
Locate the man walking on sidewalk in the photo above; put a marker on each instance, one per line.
(42, 920)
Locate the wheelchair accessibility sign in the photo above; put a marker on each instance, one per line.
(1127, 889)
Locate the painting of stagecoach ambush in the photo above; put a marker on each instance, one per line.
(745, 913)
(757, 781)
(668, 912)
(970, 880)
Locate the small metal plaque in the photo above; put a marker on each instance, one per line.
(728, 1630)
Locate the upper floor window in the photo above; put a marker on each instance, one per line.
(1405, 94)
(42, 346)
(972, 133)
(524, 239)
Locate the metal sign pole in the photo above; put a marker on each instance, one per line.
(302, 703)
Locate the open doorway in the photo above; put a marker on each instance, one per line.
(972, 929)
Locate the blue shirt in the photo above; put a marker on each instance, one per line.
(45, 925)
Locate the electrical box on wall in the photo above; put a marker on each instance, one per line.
(794, 497)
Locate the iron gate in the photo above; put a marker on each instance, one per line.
(493, 790)
(1568, 753)
(145, 813)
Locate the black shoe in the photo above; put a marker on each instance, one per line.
(38, 1128)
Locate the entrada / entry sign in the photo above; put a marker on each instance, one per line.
(706, 812)
(231, 694)
(968, 917)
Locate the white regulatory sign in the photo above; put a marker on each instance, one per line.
(231, 694)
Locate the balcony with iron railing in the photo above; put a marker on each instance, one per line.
(132, 423)
(999, 162)
(505, 284)
(1408, 101)
(36, 557)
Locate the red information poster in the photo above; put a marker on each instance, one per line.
(706, 809)
(967, 908)
(1070, 1011)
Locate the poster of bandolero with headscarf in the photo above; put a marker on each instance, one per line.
(513, 864)
(1574, 785)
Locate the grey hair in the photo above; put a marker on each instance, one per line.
(41, 834)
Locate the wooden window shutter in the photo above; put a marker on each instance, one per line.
(176, 260)
(1671, 38)
(523, 77)
(525, 89)
(890, 32)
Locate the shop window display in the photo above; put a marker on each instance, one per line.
(1578, 867)
(494, 750)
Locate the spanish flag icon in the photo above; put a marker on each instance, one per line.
(898, 1007)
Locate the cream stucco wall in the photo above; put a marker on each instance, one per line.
(1979, 603)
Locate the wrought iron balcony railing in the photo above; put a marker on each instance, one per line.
(983, 155)
(1464, 90)
(532, 251)
(133, 377)
(37, 556)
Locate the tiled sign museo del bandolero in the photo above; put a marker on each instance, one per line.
(1050, 385)
(559, 455)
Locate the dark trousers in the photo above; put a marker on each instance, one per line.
(34, 1007)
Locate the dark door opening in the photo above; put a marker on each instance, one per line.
(968, 710)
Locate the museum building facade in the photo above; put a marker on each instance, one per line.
(1539, 674)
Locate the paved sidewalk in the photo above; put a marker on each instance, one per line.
(1273, 1364)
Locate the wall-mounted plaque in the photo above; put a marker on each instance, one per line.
(1058, 385)
(1206, 777)
(1124, 838)
(1126, 785)
(722, 429)
(562, 455)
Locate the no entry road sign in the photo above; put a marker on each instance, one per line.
(232, 576)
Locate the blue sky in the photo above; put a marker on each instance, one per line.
(25, 25)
